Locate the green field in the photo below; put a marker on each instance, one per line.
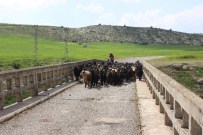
(20, 50)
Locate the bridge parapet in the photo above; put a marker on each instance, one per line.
(34, 80)
(183, 109)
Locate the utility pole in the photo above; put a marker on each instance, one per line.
(35, 46)
(66, 50)
(66, 44)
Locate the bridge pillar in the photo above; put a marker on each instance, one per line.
(57, 77)
(24, 82)
(70, 74)
(185, 123)
(164, 93)
(51, 75)
(39, 81)
(1, 96)
(44, 75)
(61, 76)
(19, 96)
(171, 102)
(161, 108)
(44, 80)
(150, 88)
(17, 89)
(65, 75)
(1, 101)
(167, 98)
(161, 90)
(175, 131)
(146, 81)
(168, 122)
(54, 78)
(153, 94)
(178, 112)
(157, 100)
(9, 84)
(155, 83)
(33, 83)
(195, 128)
(159, 86)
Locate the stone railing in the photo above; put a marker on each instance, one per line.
(35, 80)
(183, 109)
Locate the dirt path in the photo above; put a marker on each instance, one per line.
(134, 59)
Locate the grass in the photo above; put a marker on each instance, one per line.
(19, 50)
(12, 99)
(9, 100)
(186, 77)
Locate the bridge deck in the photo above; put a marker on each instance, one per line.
(14, 109)
(109, 110)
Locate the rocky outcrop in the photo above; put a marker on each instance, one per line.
(177, 66)
(200, 81)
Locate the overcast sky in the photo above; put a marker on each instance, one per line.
(178, 15)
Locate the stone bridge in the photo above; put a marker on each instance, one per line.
(70, 109)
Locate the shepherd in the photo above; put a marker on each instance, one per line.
(111, 58)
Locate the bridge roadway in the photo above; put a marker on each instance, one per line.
(108, 110)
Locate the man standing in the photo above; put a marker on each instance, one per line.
(111, 58)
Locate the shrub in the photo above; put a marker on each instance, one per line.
(9, 100)
(16, 65)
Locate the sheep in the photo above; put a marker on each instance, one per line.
(87, 77)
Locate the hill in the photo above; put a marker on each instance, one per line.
(140, 35)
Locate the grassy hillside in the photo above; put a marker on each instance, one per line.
(15, 49)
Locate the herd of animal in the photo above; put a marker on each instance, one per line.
(106, 73)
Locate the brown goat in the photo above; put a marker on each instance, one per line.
(87, 77)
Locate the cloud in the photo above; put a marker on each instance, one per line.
(108, 18)
(22, 5)
(147, 18)
(95, 8)
(21, 11)
(131, 1)
(190, 20)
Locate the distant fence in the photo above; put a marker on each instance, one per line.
(35, 80)
(183, 109)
